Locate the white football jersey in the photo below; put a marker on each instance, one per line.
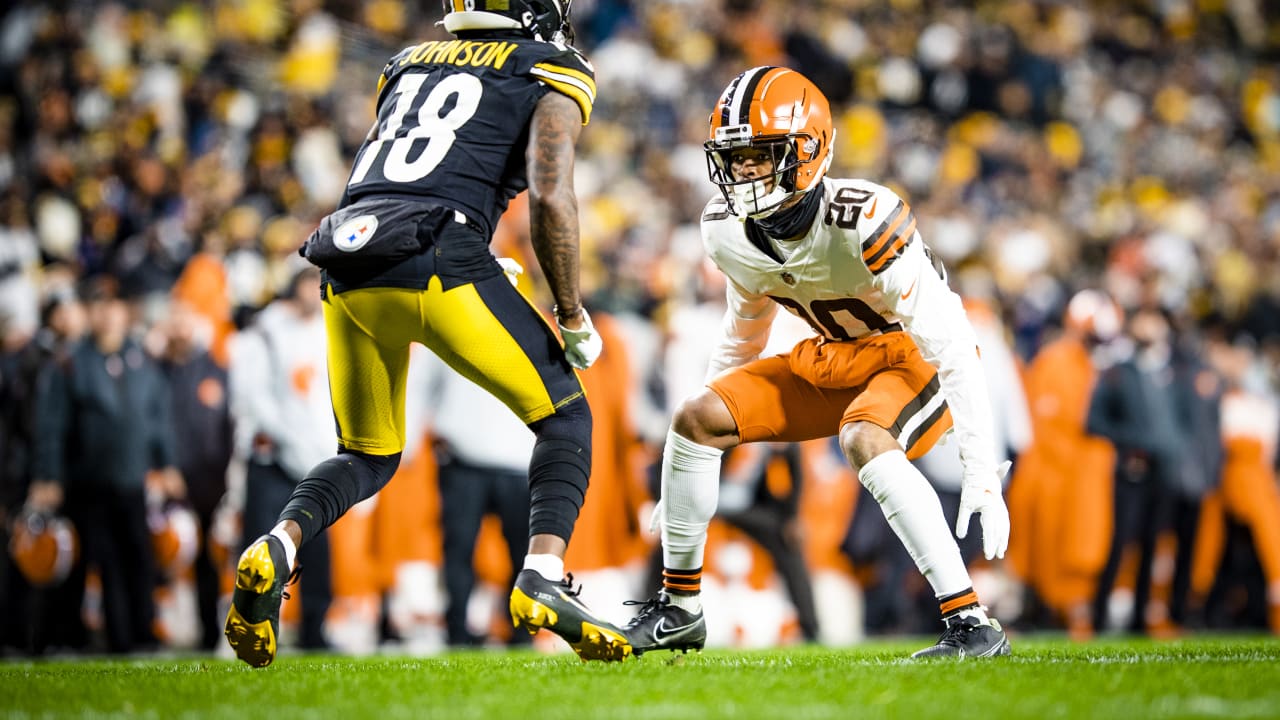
(830, 278)
(861, 268)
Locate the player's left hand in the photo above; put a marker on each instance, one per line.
(982, 494)
(582, 345)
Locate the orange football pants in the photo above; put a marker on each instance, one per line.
(820, 386)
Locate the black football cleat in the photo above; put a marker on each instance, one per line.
(537, 602)
(966, 637)
(253, 623)
(662, 626)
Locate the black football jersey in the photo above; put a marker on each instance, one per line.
(453, 121)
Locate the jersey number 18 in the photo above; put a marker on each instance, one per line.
(402, 131)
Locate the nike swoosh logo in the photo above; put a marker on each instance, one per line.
(871, 210)
(662, 632)
(910, 290)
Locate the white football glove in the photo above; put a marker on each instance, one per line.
(581, 346)
(512, 269)
(984, 495)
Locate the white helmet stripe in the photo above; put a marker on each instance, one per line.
(746, 87)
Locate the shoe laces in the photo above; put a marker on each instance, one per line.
(653, 605)
(957, 630)
(293, 580)
(567, 584)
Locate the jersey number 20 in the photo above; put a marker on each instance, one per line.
(403, 133)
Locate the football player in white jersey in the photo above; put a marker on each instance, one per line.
(893, 365)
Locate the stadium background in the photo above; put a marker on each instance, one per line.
(187, 149)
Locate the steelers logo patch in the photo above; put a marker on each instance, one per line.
(355, 233)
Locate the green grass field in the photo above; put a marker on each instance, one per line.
(1045, 678)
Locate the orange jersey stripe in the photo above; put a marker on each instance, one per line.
(885, 234)
(896, 249)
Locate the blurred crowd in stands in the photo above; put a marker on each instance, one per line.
(1102, 180)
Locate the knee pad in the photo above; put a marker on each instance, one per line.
(334, 486)
(373, 472)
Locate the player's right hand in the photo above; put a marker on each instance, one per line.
(582, 345)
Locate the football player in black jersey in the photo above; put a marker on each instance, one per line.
(463, 125)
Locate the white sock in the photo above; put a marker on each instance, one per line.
(547, 565)
(688, 603)
(290, 550)
(915, 514)
(690, 489)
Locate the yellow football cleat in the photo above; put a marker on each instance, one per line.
(540, 603)
(253, 623)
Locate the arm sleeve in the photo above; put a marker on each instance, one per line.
(935, 318)
(745, 331)
(52, 419)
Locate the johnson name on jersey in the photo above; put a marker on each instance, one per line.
(453, 119)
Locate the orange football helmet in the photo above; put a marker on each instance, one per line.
(175, 538)
(44, 546)
(777, 111)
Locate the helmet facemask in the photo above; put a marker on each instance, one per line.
(753, 197)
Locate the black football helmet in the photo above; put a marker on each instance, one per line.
(546, 20)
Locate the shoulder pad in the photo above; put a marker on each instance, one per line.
(717, 208)
(883, 221)
(564, 70)
(395, 59)
(556, 54)
(886, 231)
(389, 69)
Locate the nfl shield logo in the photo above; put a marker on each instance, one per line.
(788, 278)
(355, 233)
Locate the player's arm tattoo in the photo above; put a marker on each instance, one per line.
(553, 206)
